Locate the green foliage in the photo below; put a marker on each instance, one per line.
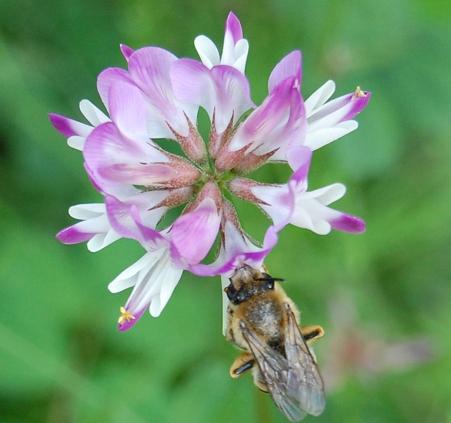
(61, 358)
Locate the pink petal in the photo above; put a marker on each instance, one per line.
(110, 157)
(149, 68)
(107, 78)
(276, 123)
(194, 233)
(127, 221)
(238, 254)
(129, 110)
(288, 67)
(223, 90)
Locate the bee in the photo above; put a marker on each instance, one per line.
(263, 322)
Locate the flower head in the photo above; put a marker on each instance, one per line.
(155, 102)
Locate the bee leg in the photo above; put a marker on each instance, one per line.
(242, 363)
(312, 333)
(259, 381)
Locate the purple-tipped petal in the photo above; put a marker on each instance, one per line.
(233, 27)
(153, 278)
(72, 235)
(348, 223)
(130, 320)
(126, 51)
(339, 110)
(288, 67)
(69, 127)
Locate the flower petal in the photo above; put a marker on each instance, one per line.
(106, 78)
(338, 110)
(348, 223)
(319, 97)
(92, 113)
(127, 220)
(129, 110)
(76, 142)
(288, 67)
(126, 51)
(207, 51)
(278, 122)
(154, 278)
(194, 233)
(222, 91)
(240, 251)
(149, 68)
(318, 138)
(86, 211)
(233, 34)
(69, 127)
(73, 235)
(113, 160)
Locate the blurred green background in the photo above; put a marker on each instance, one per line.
(383, 297)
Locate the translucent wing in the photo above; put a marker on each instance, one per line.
(304, 381)
(275, 370)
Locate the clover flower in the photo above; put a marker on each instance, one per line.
(158, 99)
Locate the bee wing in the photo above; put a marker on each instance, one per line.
(276, 373)
(304, 380)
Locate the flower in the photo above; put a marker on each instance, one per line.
(155, 102)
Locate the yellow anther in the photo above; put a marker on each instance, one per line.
(125, 316)
(359, 92)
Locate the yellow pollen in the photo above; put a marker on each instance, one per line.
(125, 316)
(359, 93)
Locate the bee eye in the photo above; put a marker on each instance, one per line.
(230, 291)
(270, 284)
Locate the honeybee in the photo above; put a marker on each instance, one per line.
(264, 322)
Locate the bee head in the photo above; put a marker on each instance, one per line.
(248, 282)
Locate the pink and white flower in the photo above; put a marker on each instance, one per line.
(155, 102)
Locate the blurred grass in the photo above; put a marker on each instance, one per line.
(61, 358)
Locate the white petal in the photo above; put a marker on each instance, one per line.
(322, 136)
(94, 225)
(92, 113)
(241, 52)
(129, 276)
(310, 214)
(86, 211)
(102, 240)
(328, 194)
(76, 142)
(171, 279)
(207, 51)
(319, 97)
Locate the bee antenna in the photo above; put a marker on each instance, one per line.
(270, 278)
(278, 279)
